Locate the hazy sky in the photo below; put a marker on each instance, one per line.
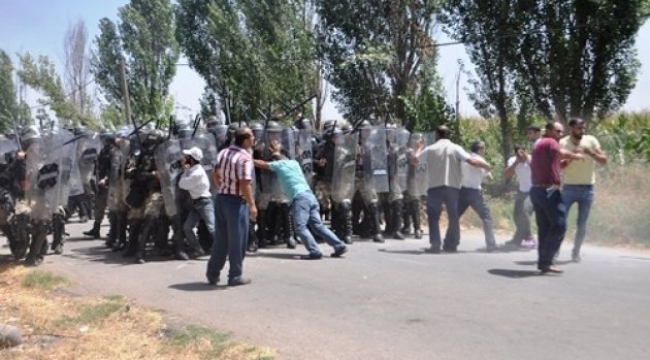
(38, 26)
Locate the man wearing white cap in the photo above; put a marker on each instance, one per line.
(196, 182)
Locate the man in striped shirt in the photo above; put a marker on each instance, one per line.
(234, 208)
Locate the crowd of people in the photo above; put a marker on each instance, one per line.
(225, 190)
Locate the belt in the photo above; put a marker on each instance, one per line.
(547, 186)
(202, 198)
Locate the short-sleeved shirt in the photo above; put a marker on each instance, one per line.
(291, 177)
(444, 161)
(545, 162)
(233, 164)
(580, 172)
(522, 170)
(473, 176)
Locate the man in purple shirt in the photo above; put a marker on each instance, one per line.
(550, 212)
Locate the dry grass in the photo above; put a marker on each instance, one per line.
(619, 214)
(99, 328)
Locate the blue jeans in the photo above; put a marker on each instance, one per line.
(306, 215)
(584, 196)
(231, 227)
(204, 210)
(435, 198)
(474, 199)
(550, 214)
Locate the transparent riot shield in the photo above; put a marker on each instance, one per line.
(7, 147)
(114, 179)
(399, 150)
(88, 148)
(304, 153)
(168, 158)
(220, 133)
(43, 174)
(374, 153)
(418, 176)
(127, 147)
(269, 181)
(289, 143)
(68, 167)
(208, 145)
(345, 147)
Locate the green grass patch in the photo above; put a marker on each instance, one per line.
(194, 336)
(43, 280)
(92, 314)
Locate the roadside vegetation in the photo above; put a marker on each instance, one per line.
(58, 324)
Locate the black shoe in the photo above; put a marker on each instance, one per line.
(139, 260)
(181, 255)
(213, 282)
(398, 235)
(33, 262)
(432, 250)
(83, 219)
(239, 282)
(339, 252)
(378, 238)
(196, 254)
(252, 247)
(491, 248)
(93, 234)
(418, 234)
(291, 243)
(348, 239)
(311, 257)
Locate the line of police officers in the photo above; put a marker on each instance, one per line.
(358, 175)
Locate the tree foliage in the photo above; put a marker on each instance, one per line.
(144, 38)
(375, 51)
(8, 103)
(77, 75)
(252, 54)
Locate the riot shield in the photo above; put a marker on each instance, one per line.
(88, 148)
(399, 150)
(168, 158)
(43, 163)
(418, 176)
(345, 147)
(114, 179)
(270, 184)
(304, 153)
(208, 145)
(375, 163)
(68, 167)
(220, 133)
(288, 143)
(127, 148)
(7, 146)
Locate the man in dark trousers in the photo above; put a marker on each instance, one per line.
(550, 211)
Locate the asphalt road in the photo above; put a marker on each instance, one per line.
(391, 301)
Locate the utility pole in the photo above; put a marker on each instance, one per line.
(460, 71)
(125, 92)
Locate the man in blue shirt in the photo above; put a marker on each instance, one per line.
(305, 208)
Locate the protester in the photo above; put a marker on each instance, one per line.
(235, 207)
(196, 182)
(550, 211)
(519, 165)
(304, 205)
(471, 196)
(444, 161)
(533, 134)
(579, 177)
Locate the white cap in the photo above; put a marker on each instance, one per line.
(194, 152)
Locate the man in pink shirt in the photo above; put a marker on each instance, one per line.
(550, 212)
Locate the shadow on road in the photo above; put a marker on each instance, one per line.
(513, 274)
(404, 252)
(197, 286)
(635, 258)
(107, 256)
(534, 262)
(281, 256)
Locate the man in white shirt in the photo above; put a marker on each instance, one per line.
(196, 182)
(519, 165)
(444, 160)
(471, 196)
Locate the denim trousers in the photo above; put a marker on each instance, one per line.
(550, 214)
(584, 196)
(436, 197)
(521, 216)
(202, 209)
(306, 216)
(473, 198)
(231, 228)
